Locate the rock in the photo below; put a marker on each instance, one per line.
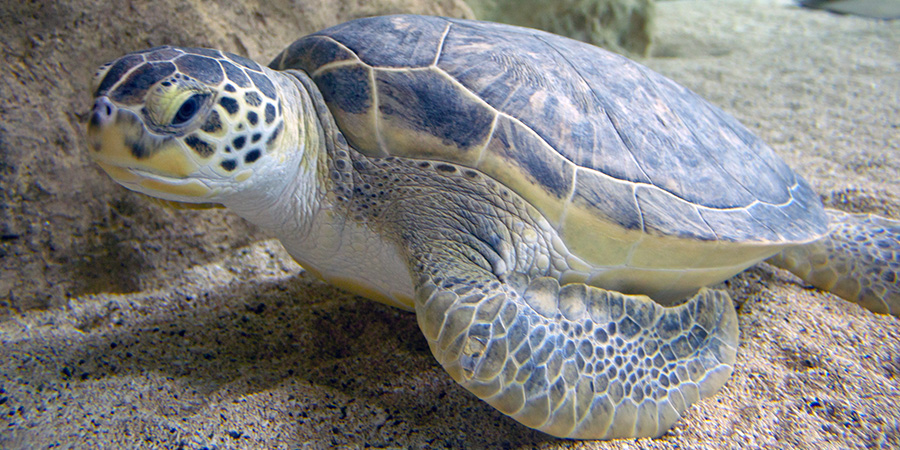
(623, 26)
(875, 9)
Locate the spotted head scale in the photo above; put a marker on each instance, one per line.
(186, 124)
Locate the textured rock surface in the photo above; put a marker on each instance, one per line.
(623, 26)
(127, 325)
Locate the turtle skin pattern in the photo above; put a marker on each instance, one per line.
(578, 361)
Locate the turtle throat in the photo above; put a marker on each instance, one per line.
(283, 192)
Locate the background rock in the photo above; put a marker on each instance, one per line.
(623, 26)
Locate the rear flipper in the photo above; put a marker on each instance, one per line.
(859, 261)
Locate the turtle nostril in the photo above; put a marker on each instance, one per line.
(102, 112)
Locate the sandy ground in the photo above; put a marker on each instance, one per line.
(245, 350)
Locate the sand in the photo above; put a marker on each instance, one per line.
(242, 349)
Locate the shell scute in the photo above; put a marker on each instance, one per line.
(526, 164)
(666, 215)
(721, 219)
(311, 53)
(348, 89)
(748, 168)
(423, 114)
(596, 193)
(392, 41)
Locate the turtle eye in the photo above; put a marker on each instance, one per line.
(188, 109)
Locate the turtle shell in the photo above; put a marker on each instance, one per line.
(632, 169)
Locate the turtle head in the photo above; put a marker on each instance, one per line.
(185, 124)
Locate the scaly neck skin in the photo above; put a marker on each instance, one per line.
(283, 195)
(305, 212)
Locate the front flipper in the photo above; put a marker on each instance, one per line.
(576, 361)
(859, 261)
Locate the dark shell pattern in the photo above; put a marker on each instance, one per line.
(590, 138)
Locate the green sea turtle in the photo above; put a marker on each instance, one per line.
(549, 210)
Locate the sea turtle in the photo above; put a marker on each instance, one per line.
(550, 211)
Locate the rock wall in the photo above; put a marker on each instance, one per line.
(65, 228)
